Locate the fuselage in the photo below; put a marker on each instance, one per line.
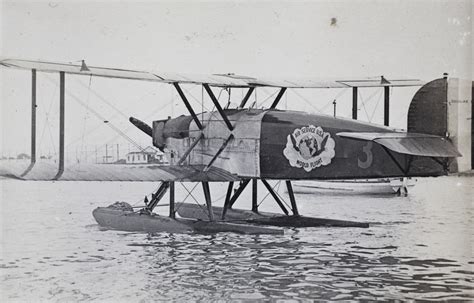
(277, 144)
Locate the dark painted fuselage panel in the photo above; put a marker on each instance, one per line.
(297, 145)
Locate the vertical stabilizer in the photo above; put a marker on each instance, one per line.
(443, 107)
(427, 113)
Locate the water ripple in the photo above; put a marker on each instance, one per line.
(417, 251)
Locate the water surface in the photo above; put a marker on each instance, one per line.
(418, 247)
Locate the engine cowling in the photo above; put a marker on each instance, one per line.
(171, 128)
(162, 129)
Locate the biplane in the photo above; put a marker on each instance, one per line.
(241, 145)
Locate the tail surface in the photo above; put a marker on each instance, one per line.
(428, 109)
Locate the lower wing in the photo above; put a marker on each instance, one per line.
(43, 171)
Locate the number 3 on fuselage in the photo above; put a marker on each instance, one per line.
(367, 149)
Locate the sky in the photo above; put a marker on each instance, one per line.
(413, 39)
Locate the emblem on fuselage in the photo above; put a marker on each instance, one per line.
(309, 147)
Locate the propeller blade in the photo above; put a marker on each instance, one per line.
(142, 126)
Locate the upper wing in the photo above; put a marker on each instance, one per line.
(409, 143)
(112, 172)
(223, 80)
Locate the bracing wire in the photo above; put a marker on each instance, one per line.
(87, 113)
(116, 129)
(306, 100)
(92, 129)
(202, 105)
(268, 98)
(110, 104)
(268, 193)
(363, 105)
(283, 200)
(376, 105)
(320, 110)
(75, 98)
(192, 196)
(51, 137)
(131, 126)
(338, 95)
(46, 124)
(364, 102)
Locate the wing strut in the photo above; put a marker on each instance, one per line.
(219, 108)
(246, 98)
(354, 102)
(33, 123)
(61, 124)
(278, 97)
(189, 150)
(188, 106)
(221, 149)
(386, 105)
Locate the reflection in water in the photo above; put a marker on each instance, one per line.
(234, 266)
(419, 248)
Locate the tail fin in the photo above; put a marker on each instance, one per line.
(428, 109)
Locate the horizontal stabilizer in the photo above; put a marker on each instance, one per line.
(409, 143)
(43, 171)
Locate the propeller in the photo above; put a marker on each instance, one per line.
(142, 126)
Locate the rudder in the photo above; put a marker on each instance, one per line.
(428, 109)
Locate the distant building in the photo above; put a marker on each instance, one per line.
(23, 157)
(148, 155)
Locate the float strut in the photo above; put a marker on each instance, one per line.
(294, 208)
(158, 195)
(227, 199)
(236, 195)
(207, 196)
(172, 210)
(275, 196)
(254, 196)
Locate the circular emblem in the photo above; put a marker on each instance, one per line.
(309, 147)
